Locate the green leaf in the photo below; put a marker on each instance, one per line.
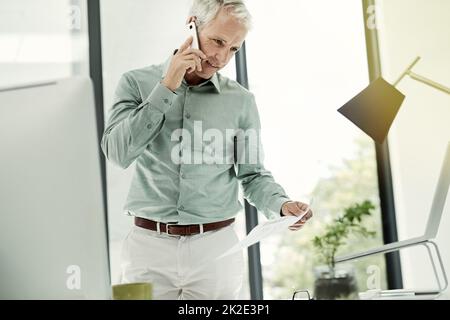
(335, 234)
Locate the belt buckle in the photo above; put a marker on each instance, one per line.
(168, 224)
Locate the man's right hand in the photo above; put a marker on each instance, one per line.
(185, 60)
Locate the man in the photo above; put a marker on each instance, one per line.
(184, 208)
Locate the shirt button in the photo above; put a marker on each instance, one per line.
(149, 126)
(166, 101)
(181, 208)
(188, 115)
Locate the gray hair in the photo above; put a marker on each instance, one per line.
(207, 10)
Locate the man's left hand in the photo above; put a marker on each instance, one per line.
(297, 208)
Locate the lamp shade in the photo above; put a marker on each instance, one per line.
(373, 109)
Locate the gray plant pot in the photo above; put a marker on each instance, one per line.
(339, 283)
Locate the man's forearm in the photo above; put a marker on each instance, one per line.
(261, 190)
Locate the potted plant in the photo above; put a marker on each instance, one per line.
(334, 282)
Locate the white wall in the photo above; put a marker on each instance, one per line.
(419, 135)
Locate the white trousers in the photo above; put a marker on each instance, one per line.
(184, 267)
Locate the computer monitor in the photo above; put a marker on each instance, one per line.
(53, 239)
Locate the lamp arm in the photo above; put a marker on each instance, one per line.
(429, 82)
(407, 70)
(420, 78)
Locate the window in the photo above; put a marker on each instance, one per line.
(306, 59)
(42, 40)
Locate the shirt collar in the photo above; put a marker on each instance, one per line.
(214, 79)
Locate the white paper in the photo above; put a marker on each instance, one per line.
(263, 230)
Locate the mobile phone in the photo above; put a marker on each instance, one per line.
(192, 31)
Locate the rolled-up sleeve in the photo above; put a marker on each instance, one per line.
(259, 186)
(134, 123)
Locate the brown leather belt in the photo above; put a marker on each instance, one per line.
(180, 230)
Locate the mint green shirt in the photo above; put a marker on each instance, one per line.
(141, 123)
